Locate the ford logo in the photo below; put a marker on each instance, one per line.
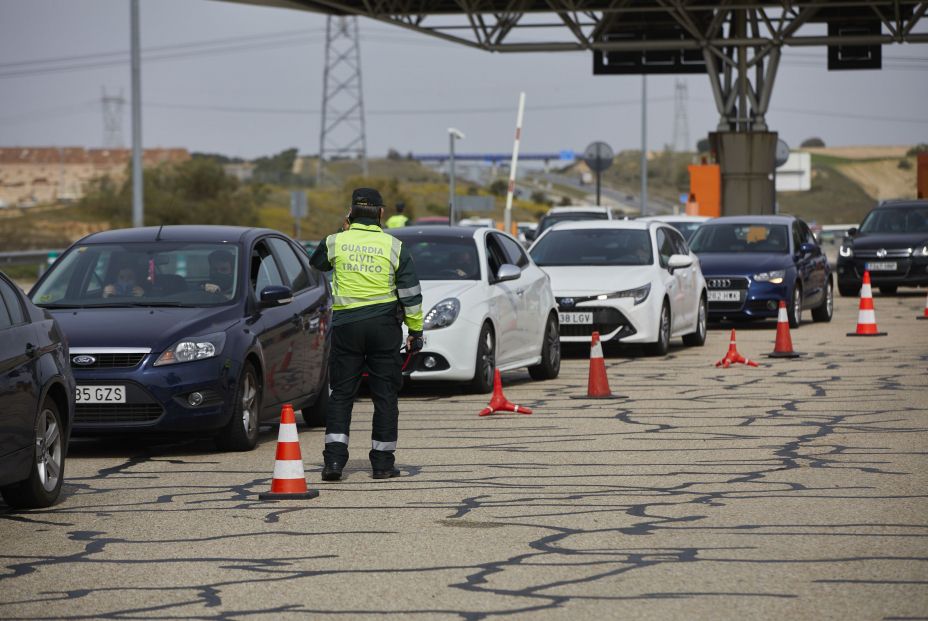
(83, 360)
(881, 253)
(567, 302)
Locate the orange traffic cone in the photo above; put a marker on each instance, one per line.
(925, 315)
(598, 383)
(783, 347)
(289, 481)
(733, 357)
(866, 315)
(499, 402)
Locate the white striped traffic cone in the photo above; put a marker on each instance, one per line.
(289, 481)
(925, 314)
(866, 315)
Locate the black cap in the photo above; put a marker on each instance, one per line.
(366, 197)
(400, 206)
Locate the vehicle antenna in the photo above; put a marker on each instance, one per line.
(158, 236)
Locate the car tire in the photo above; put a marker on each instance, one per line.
(794, 308)
(43, 486)
(848, 291)
(486, 361)
(314, 415)
(827, 308)
(662, 346)
(889, 289)
(698, 338)
(241, 432)
(550, 365)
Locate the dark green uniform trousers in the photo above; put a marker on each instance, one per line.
(371, 345)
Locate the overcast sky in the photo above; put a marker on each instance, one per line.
(247, 81)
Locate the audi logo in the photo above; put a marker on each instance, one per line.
(83, 360)
(719, 283)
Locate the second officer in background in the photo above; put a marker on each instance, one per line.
(374, 287)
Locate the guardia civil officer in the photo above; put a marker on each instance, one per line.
(375, 287)
(399, 219)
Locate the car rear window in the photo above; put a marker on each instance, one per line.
(444, 258)
(593, 247)
(735, 238)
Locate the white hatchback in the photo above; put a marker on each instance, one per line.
(631, 281)
(487, 306)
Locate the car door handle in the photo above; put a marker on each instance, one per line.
(31, 350)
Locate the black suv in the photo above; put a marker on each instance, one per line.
(892, 243)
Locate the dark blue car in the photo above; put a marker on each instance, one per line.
(752, 262)
(191, 329)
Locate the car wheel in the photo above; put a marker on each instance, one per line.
(698, 338)
(241, 432)
(550, 365)
(314, 415)
(794, 310)
(486, 361)
(42, 487)
(824, 312)
(662, 346)
(888, 290)
(848, 291)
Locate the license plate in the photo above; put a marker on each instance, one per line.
(101, 394)
(575, 318)
(882, 266)
(724, 296)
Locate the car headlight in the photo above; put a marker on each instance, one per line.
(640, 294)
(921, 252)
(194, 348)
(442, 314)
(775, 276)
(846, 251)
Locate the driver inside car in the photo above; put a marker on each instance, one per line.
(221, 279)
(126, 284)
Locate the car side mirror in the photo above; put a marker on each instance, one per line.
(508, 271)
(851, 232)
(677, 261)
(530, 235)
(276, 295)
(807, 249)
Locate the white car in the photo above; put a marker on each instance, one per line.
(631, 281)
(487, 306)
(687, 225)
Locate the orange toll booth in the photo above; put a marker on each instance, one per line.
(705, 190)
(922, 183)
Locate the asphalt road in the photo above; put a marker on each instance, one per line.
(796, 490)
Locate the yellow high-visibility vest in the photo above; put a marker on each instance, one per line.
(396, 221)
(364, 260)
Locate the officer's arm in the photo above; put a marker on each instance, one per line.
(409, 292)
(320, 256)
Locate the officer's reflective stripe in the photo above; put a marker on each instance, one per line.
(408, 293)
(336, 437)
(330, 255)
(383, 446)
(412, 310)
(395, 253)
(344, 300)
(288, 469)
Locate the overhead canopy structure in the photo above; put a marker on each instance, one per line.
(736, 43)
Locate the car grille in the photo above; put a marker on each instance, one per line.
(605, 321)
(900, 253)
(110, 413)
(111, 361)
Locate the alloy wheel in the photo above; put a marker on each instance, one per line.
(48, 450)
(486, 358)
(554, 345)
(249, 400)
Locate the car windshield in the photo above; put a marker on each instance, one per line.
(896, 220)
(745, 237)
(686, 228)
(444, 258)
(593, 247)
(568, 216)
(141, 274)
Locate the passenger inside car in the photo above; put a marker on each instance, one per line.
(125, 285)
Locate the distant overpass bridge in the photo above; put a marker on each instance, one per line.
(496, 158)
(735, 43)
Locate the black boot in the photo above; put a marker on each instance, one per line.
(332, 472)
(386, 474)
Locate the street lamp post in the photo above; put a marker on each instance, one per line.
(452, 135)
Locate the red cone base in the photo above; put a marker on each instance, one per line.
(733, 357)
(499, 402)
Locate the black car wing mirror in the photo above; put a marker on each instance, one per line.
(851, 232)
(275, 295)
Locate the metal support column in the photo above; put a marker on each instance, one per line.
(138, 209)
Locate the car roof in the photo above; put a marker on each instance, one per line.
(901, 202)
(668, 219)
(451, 232)
(752, 220)
(634, 225)
(178, 233)
(578, 209)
